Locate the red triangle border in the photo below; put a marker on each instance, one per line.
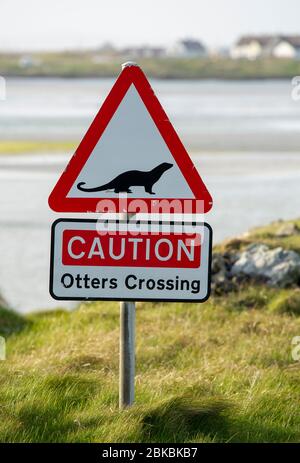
(58, 200)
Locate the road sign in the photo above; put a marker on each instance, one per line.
(102, 260)
(130, 149)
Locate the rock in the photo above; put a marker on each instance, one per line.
(218, 264)
(277, 267)
(220, 270)
(288, 229)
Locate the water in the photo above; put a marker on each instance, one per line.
(244, 138)
(210, 115)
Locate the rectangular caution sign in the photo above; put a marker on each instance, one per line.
(102, 260)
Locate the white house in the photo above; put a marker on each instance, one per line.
(250, 47)
(279, 46)
(287, 47)
(187, 48)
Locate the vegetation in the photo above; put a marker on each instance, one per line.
(217, 372)
(268, 235)
(36, 146)
(88, 64)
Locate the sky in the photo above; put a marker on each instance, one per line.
(67, 24)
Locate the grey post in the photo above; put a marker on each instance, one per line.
(127, 341)
(127, 354)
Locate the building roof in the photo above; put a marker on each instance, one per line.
(292, 39)
(263, 40)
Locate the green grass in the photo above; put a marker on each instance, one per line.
(218, 372)
(265, 235)
(27, 146)
(83, 64)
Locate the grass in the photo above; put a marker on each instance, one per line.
(218, 372)
(84, 64)
(26, 146)
(265, 235)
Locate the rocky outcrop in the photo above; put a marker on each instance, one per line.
(277, 267)
(257, 263)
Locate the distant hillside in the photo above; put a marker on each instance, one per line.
(89, 65)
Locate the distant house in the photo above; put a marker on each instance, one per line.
(288, 47)
(187, 48)
(143, 52)
(253, 47)
(250, 47)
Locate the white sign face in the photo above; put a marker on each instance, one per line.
(96, 260)
(131, 142)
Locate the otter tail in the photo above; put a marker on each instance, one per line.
(91, 190)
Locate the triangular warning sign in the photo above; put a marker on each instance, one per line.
(130, 149)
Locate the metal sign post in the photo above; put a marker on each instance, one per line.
(127, 354)
(127, 347)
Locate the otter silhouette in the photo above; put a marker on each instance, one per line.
(124, 181)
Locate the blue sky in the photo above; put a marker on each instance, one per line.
(56, 24)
